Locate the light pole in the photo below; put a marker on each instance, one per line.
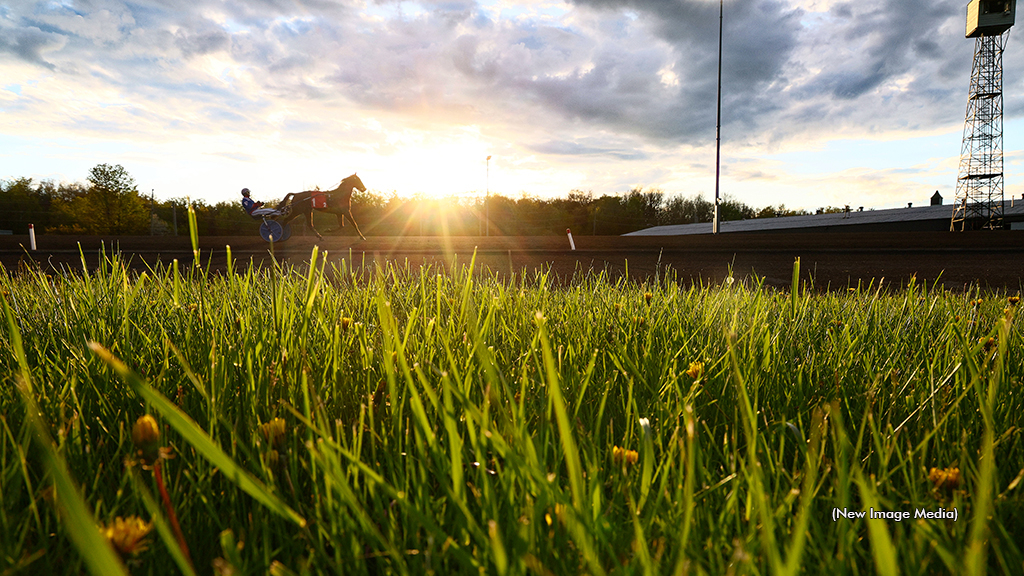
(718, 123)
(487, 198)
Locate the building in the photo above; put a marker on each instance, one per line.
(935, 217)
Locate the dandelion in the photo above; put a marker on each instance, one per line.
(274, 431)
(648, 296)
(946, 479)
(696, 370)
(987, 343)
(127, 535)
(623, 457)
(345, 322)
(1013, 300)
(146, 437)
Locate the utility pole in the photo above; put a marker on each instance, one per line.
(152, 213)
(718, 124)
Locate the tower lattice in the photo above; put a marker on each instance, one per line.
(979, 186)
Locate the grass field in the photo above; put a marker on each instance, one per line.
(392, 420)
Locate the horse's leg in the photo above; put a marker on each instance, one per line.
(309, 222)
(356, 226)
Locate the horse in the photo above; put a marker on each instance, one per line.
(339, 203)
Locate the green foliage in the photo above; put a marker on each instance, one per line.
(426, 420)
(112, 204)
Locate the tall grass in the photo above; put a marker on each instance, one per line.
(441, 422)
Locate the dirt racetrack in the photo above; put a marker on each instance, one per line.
(834, 260)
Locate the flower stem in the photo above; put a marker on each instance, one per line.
(158, 474)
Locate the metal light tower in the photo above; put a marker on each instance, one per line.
(979, 187)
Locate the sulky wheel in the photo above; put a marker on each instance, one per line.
(272, 230)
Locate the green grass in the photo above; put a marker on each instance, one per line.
(441, 422)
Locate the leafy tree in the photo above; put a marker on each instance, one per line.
(732, 209)
(683, 210)
(112, 204)
(23, 205)
(63, 215)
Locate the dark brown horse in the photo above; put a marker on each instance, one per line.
(339, 203)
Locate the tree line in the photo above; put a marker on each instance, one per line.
(109, 203)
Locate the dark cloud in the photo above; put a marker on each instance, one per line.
(577, 148)
(29, 43)
(891, 40)
(205, 40)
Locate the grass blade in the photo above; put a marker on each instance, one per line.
(198, 438)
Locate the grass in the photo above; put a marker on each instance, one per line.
(441, 422)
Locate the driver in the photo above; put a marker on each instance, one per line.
(248, 204)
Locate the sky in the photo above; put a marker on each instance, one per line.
(823, 102)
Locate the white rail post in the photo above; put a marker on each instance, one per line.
(32, 236)
(571, 243)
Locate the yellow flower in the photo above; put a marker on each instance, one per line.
(1013, 300)
(273, 459)
(146, 437)
(696, 370)
(624, 457)
(345, 322)
(274, 431)
(648, 296)
(947, 479)
(987, 343)
(127, 535)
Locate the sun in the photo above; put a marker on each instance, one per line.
(437, 168)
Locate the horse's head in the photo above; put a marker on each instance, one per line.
(351, 182)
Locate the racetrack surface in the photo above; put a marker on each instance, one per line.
(991, 259)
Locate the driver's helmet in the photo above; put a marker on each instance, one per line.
(245, 192)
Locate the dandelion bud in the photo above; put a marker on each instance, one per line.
(274, 431)
(623, 457)
(273, 459)
(146, 436)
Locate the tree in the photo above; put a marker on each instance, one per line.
(682, 210)
(112, 204)
(23, 205)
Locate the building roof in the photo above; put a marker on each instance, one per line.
(919, 216)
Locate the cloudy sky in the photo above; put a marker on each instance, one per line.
(824, 102)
